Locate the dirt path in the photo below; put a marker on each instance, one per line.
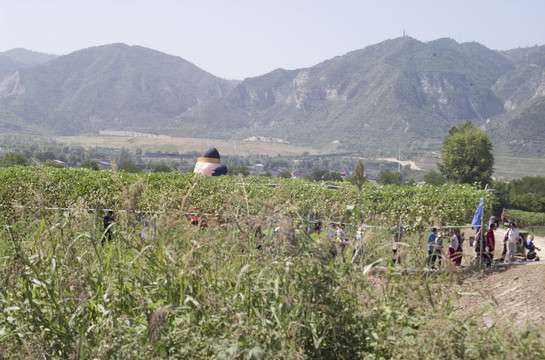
(539, 242)
(402, 163)
(469, 253)
(511, 293)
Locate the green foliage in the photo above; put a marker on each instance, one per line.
(238, 169)
(526, 218)
(501, 190)
(130, 167)
(318, 174)
(466, 156)
(388, 177)
(418, 206)
(527, 194)
(169, 296)
(13, 159)
(227, 290)
(434, 178)
(162, 168)
(285, 174)
(359, 174)
(90, 164)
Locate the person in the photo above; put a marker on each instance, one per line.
(454, 248)
(459, 247)
(342, 240)
(258, 237)
(529, 244)
(461, 237)
(493, 220)
(148, 232)
(358, 243)
(505, 238)
(108, 222)
(431, 248)
(318, 228)
(490, 244)
(396, 247)
(438, 252)
(512, 241)
(332, 232)
(479, 245)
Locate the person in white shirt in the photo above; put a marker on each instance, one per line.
(342, 240)
(453, 246)
(512, 241)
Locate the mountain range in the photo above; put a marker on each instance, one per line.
(398, 94)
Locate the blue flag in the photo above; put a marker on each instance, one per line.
(476, 223)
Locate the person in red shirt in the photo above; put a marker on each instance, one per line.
(490, 243)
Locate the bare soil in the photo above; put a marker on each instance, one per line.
(511, 293)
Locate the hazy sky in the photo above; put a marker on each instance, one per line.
(235, 39)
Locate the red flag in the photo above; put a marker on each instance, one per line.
(501, 217)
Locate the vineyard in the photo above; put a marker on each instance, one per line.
(254, 283)
(185, 193)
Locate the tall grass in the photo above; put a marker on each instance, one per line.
(225, 291)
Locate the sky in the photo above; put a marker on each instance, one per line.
(235, 39)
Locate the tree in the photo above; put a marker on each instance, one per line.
(317, 174)
(527, 194)
(238, 169)
(12, 159)
(285, 174)
(359, 174)
(466, 156)
(90, 164)
(501, 190)
(388, 177)
(130, 167)
(333, 176)
(162, 168)
(434, 178)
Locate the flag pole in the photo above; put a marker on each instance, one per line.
(482, 236)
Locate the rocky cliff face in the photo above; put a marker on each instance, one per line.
(401, 92)
(10, 85)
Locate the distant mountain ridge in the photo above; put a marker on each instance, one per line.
(107, 87)
(400, 93)
(17, 59)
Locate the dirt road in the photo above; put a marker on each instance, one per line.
(511, 293)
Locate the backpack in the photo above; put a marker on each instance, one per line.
(506, 237)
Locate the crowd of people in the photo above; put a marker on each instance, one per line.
(482, 253)
(483, 248)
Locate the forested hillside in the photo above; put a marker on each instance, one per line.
(400, 94)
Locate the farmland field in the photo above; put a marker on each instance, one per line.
(506, 168)
(249, 280)
(184, 145)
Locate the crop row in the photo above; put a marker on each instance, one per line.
(416, 206)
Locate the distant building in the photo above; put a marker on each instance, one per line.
(105, 164)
